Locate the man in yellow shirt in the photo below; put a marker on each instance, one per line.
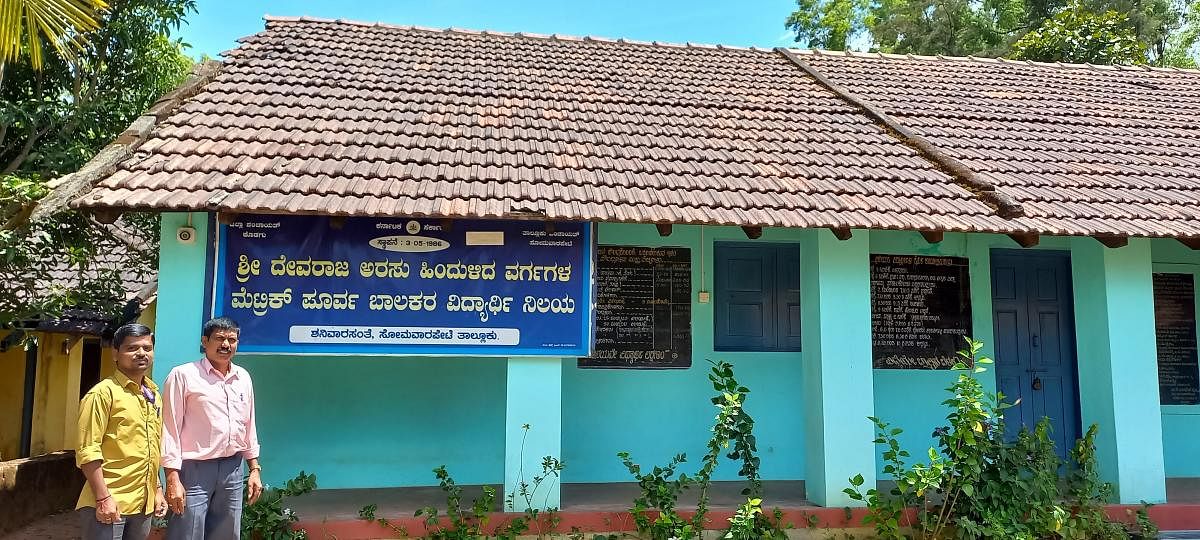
(120, 441)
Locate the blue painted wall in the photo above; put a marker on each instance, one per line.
(373, 421)
(1180, 423)
(656, 414)
(912, 399)
(376, 422)
(354, 421)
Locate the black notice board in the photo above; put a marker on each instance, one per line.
(920, 311)
(1175, 333)
(643, 308)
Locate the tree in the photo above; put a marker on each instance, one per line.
(993, 27)
(1152, 22)
(1079, 35)
(54, 120)
(951, 27)
(1181, 49)
(829, 24)
(26, 24)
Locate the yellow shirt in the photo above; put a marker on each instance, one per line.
(118, 425)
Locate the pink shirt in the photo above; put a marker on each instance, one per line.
(207, 415)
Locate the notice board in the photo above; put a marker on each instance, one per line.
(1175, 333)
(643, 308)
(920, 311)
(391, 286)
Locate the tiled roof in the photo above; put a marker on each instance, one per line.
(1085, 150)
(136, 284)
(331, 117)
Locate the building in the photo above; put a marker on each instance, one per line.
(47, 365)
(834, 224)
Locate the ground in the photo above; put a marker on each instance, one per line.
(64, 526)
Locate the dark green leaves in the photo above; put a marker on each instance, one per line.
(267, 519)
(1164, 31)
(1079, 35)
(53, 121)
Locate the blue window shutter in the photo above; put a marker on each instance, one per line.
(744, 300)
(788, 296)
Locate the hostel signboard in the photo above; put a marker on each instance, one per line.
(311, 285)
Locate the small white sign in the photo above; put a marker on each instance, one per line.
(404, 335)
(485, 238)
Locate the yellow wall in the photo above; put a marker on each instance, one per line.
(107, 365)
(56, 401)
(56, 391)
(147, 315)
(12, 397)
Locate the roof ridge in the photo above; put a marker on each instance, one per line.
(986, 59)
(1005, 205)
(527, 35)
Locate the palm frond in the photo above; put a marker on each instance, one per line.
(62, 23)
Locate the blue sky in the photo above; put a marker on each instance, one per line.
(742, 22)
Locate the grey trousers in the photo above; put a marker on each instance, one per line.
(213, 509)
(129, 527)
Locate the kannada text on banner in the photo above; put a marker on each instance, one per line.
(298, 284)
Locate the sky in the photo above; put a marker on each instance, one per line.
(219, 23)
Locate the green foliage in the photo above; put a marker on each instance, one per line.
(1085, 493)
(660, 491)
(956, 27)
(742, 522)
(1181, 46)
(17, 191)
(52, 121)
(464, 524)
(458, 523)
(1078, 35)
(58, 118)
(49, 267)
(26, 26)
(369, 513)
(977, 485)
(655, 509)
(1165, 30)
(749, 522)
(267, 519)
(1143, 526)
(951, 27)
(541, 518)
(829, 24)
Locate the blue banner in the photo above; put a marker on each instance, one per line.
(320, 285)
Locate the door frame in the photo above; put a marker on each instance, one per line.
(1064, 256)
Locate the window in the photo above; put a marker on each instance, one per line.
(756, 297)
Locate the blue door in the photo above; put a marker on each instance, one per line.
(1032, 310)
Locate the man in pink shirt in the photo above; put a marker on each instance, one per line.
(208, 429)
